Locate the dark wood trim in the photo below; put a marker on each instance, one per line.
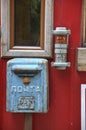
(41, 28)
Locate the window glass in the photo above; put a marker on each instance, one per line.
(27, 22)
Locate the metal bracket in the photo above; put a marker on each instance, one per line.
(61, 66)
(28, 122)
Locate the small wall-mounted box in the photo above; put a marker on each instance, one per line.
(81, 59)
(61, 46)
(27, 85)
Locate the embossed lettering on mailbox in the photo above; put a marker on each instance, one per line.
(27, 85)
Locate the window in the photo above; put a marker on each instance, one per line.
(81, 51)
(26, 28)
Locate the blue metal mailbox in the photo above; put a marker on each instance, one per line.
(27, 85)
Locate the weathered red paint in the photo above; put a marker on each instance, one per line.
(64, 107)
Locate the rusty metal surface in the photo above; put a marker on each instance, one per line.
(30, 96)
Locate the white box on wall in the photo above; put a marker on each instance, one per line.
(83, 107)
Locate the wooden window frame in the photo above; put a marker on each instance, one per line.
(81, 51)
(84, 23)
(46, 48)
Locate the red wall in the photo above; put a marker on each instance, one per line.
(65, 86)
